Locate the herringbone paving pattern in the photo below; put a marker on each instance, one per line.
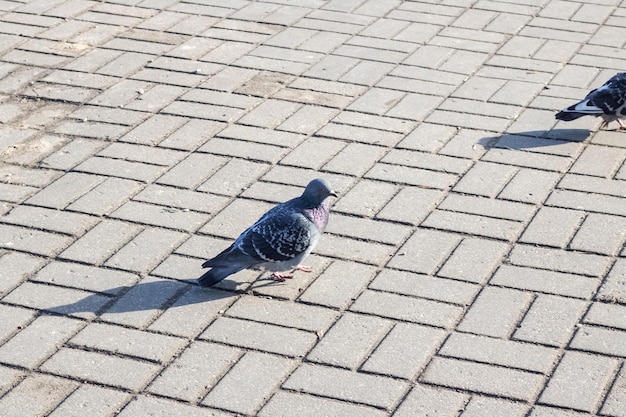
(474, 265)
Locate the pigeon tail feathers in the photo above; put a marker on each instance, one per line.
(217, 274)
(568, 116)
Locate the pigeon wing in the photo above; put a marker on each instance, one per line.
(278, 238)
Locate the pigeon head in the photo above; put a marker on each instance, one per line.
(317, 191)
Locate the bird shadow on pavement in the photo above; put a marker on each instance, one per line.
(535, 139)
(158, 294)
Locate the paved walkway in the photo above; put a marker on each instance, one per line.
(474, 264)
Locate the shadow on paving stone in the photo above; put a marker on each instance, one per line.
(535, 139)
(143, 296)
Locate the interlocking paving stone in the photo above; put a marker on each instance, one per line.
(473, 264)
(489, 379)
(346, 385)
(286, 404)
(579, 381)
(197, 369)
(38, 341)
(36, 395)
(100, 368)
(254, 377)
(243, 333)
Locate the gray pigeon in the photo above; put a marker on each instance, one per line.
(279, 240)
(607, 101)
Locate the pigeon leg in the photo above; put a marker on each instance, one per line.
(302, 268)
(621, 125)
(281, 276)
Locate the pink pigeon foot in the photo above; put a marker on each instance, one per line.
(281, 276)
(302, 268)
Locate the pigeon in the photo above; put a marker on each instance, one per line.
(607, 101)
(279, 240)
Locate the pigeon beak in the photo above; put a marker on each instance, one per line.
(334, 194)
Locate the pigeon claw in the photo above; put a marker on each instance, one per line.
(281, 276)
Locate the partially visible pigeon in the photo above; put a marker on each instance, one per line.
(279, 240)
(607, 101)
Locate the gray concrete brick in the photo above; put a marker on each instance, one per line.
(597, 203)
(158, 242)
(338, 285)
(529, 186)
(65, 190)
(601, 340)
(286, 403)
(424, 251)
(609, 315)
(115, 339)
(58, 300)
(192, 312)
(545, 281)
(346, 385)
(157, 215)
(153, 130)
(314, 153)
(16, 319)
(480, 406)
(100, 368)
(85, 277)
(473, 225)
(53, 220)
(234, 177)
(552, 227)
(598, 234)
(423, 400)
(248, 334)
(72, 154)
(102, 241)
(106, 197)
(202, 166)
(579, 381)
(550, 320)
(32, 241)
(485, 179)
(13, 174)
(16, 268)
(405, 351)
(182, 199)
(161, 407)
(483, 378)
(15, 193)
(245, 150)
(371, 253)
(559, 260)
(421, 201)
(366, 198)
(235, 218)
(36, 395)
(255, 376)
(355, 159)
(197, 369)
(374, 230)
(487, 207)
(528, 357)
(282, 313)
(615, 399)
(473, 260)
(415, 310)
(142, 303)
(349, 341)
(424, 286)
(495, 312)
(35, 343)
(122, 169)
(91, 399)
